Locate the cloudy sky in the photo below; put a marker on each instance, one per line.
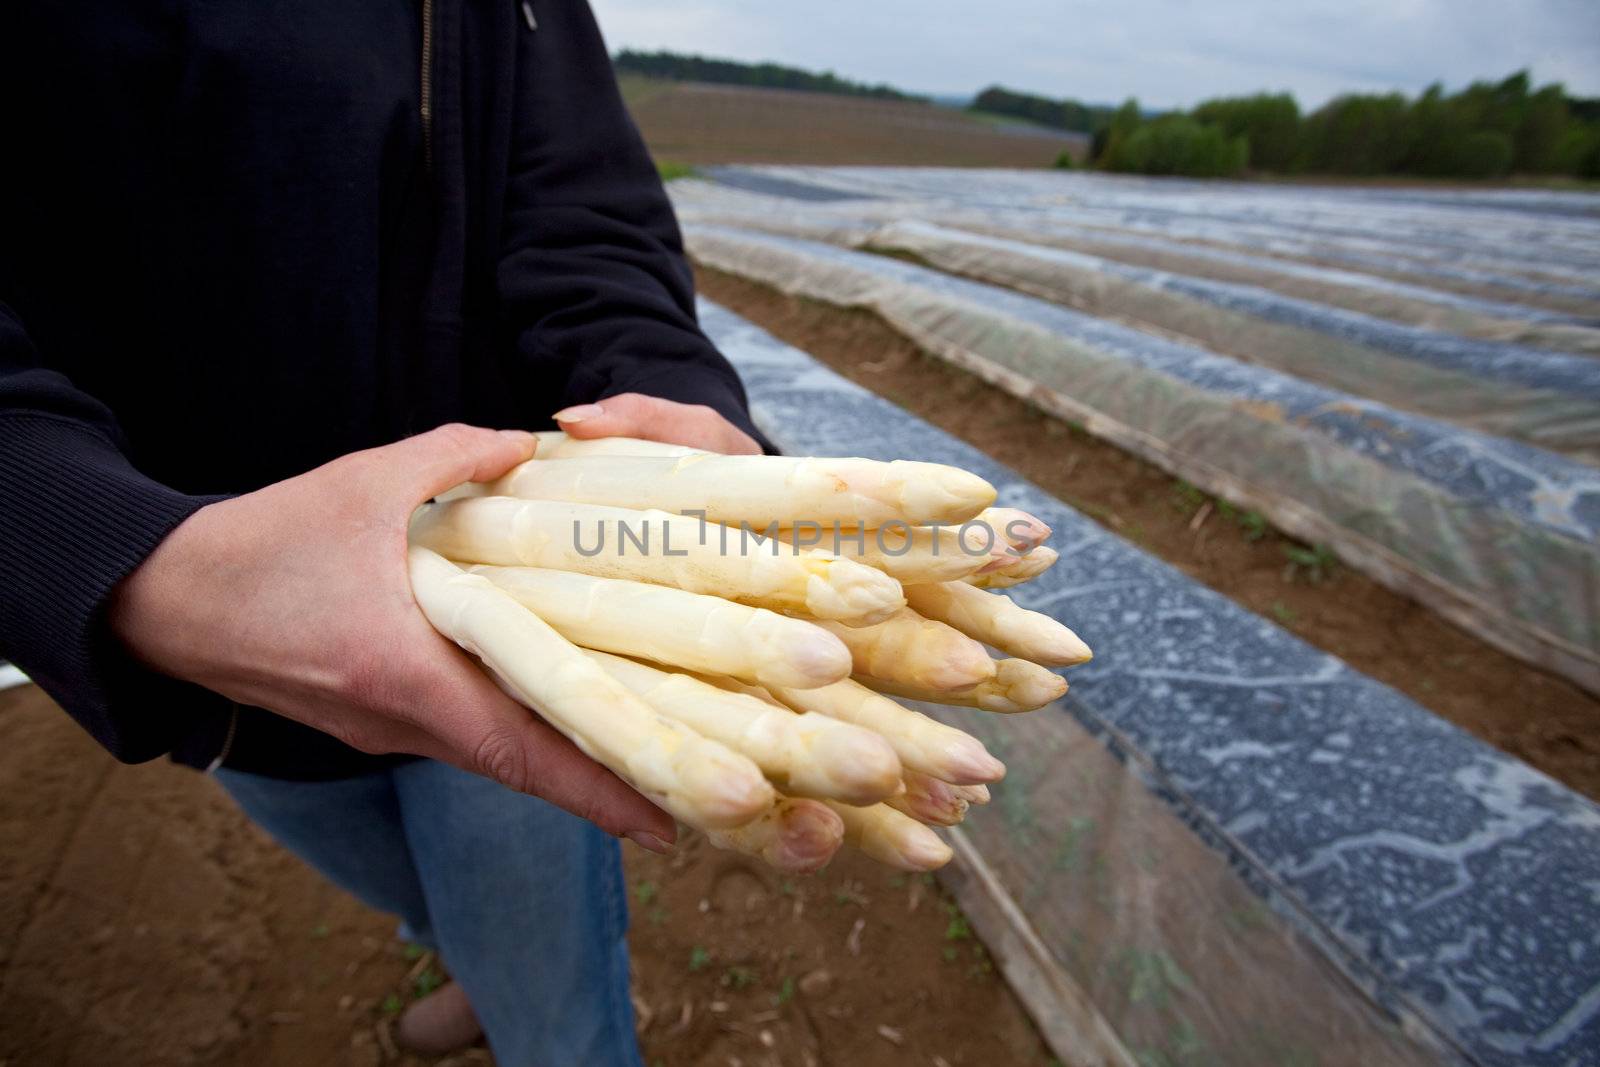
(1166, 52)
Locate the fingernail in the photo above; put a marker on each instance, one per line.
(646, 839)
(523, 438)
(578, 412)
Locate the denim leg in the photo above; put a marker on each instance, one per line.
(530, 910)
(349, 830)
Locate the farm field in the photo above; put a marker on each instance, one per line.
(1328, 359)
(693, 124)
(1540, 718)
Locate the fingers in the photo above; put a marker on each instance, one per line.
(651, 418)
(429, 463)
(478, 728)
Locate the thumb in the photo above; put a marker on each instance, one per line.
(648, 418)
(430, 463)
(651, 418)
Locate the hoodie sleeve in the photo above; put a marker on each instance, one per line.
(592, 274)
(75, 518)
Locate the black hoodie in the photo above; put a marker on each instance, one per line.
(239, 239)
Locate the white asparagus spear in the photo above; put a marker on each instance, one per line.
(1015, 527)
(922, 743)
(695, 779)
(1023, 569)
(553, 444)
(803, 755)
(795, 836)
(972, 794)
(759, 490)
(928, 800)
(914, 651)
(907, 553)
(1017, 686)
(996, 620)
(654, 547)
(890, 837)
(678, 628)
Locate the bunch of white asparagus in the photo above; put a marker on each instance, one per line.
(739, 679)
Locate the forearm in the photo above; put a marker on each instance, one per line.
(75, 518)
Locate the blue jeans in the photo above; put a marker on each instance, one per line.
(524, 902)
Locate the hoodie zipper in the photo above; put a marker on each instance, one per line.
(427, 84)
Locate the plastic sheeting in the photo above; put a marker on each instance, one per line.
(1243, 851)
(1260, 221)
(1498, 535)
(1544, 398)
(1547, 241)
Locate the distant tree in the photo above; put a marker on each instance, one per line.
(1483, 154)
(1177, 145)
(1269, 121)
(1110, 149)
(1541, 133)
(1357, 134)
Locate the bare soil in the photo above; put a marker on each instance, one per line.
(145, 921)
(689, 123)
(1544, 720)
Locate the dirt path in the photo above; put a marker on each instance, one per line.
(1545, 720)
(143, 921)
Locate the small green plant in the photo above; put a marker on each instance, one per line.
(1186, 498)
(1152, 976)
(671, 171)
(1254, 525)
(413, 952)
(391, 1004)
(737, 978)
(698, 958)
(950, 953)
(657, 915)
(958, 929)
(1316, 564)
(426, 983)
(645, 892)
(1284, 613)
(1069, 854)
(786, 887)
(320, 931)
(785, 992)
(850, 893)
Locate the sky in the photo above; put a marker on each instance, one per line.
(1168, 53)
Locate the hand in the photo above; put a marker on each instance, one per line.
(653, 419)
(295, 598)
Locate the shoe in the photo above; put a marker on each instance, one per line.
(442, 1021)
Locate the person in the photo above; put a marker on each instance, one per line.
(271, 276)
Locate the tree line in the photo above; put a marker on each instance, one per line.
(1487, 130)
(1060, 114)
(679, 67)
